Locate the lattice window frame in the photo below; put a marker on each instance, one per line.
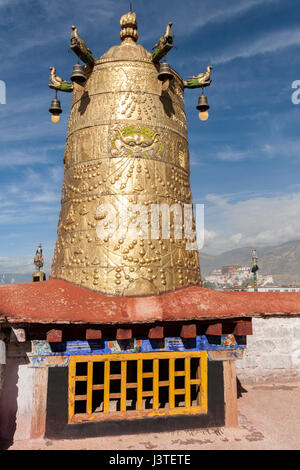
(106, 414)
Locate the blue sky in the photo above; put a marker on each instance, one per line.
(245, 159)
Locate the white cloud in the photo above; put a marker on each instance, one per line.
(236, 239)
(275, 145)
(23, 264)
(32, 199)
(217, 200)
(256, 221)
(12, 158)
(190, 16)
(30, 131)
(210, 237)
(229, 154)
(271, 42)
(4, 3)
(212, 13)
(195, 159)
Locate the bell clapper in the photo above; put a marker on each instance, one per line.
(203, 115)
(55, 118)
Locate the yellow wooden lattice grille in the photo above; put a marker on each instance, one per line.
(134, 385)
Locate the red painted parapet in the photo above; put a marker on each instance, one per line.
(57, 301)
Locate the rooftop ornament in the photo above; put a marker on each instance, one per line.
(126, 145)
(128, 35)
(164, 45)
(254, 269)
(79, 47)
(39, 263)
(201, 80)
(38, 259)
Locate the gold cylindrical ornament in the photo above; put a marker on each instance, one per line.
(126, 149)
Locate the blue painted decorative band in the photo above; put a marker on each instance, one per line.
(200, 343)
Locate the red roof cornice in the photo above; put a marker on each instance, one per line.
(58, 301)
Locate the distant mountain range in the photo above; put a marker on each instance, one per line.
(281, 261)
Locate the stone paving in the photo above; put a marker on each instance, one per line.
(269, 418)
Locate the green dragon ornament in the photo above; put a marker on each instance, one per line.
(57, 83)
(200, 81)
(164, 44)
(136, 141)
(80, 48)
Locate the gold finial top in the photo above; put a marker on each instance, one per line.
(128, 23)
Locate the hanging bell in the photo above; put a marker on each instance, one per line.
(164, 72)
(78, 75)
(203, 106)
(202, 103)
(55, 110)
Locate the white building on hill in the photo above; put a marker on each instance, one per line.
(235, 275)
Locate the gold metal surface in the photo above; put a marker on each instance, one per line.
(128, 23)
(126, 144)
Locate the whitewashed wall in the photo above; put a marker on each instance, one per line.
(273, 352)
(24, 389)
